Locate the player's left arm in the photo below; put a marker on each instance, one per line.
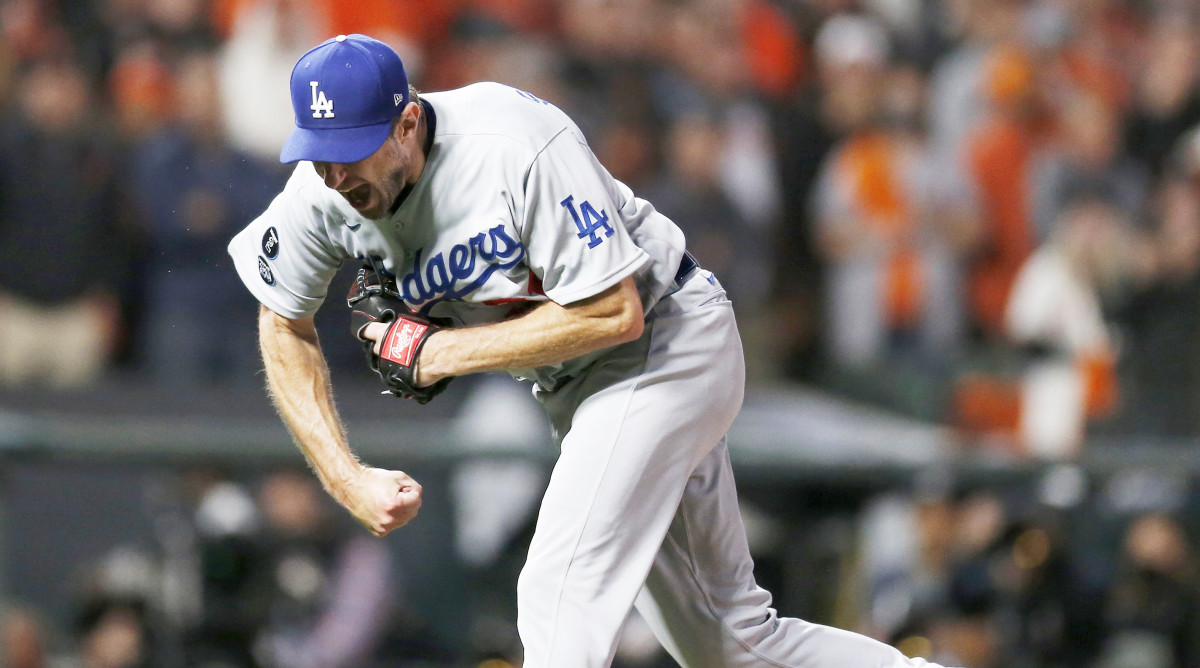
(547, 334)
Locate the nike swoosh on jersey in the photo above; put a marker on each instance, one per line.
(344, 221)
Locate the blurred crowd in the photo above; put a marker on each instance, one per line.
(1068, 571)
(978, 212)
(245, 572)
(983, 213)
(262, 570)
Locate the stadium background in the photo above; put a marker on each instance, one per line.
(963, 238)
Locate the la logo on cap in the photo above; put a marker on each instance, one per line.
(320, 103)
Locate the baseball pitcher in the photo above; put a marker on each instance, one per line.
(491, 239)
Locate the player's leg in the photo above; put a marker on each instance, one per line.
(636, 426)
(703, 603)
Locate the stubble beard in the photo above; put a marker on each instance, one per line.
(396, 182)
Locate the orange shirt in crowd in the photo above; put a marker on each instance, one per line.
(871, 163)
(774, 54)
(1000, 156)
(423, 21)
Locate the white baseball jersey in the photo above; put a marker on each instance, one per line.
(512, 206)
(641, 507)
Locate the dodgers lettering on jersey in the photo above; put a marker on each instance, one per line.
(437, 278)
(511, 206)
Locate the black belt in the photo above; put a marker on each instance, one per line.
(686, 265)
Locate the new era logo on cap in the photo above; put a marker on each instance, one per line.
(345, 93)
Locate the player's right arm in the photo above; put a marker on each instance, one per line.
(299, 383)
(286, 257)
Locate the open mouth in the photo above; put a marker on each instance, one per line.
(357, 197)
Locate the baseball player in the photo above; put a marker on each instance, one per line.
(491, 239)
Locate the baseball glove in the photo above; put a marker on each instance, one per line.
(373, 298)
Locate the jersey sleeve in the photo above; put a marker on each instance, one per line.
(284, 257)
(576, 241)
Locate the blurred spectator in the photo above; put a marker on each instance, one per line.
(481, 48)
(1000, 154)
(708, 58)
(140, 86)
(850, 54)
(1058, 607)
(113, 634)
(1161, 354)
(1055, 314)
(628, 148)
(1057, 367)
(285, 585)
(184, 24)
(907, 547)
(957, 83)
(1087, 160)
(719, 236)
(1021, 596)
(328, 593)
(30, 32)
(113, 628)
(64, 246)
(1094, 54)
(175, 24)
(1153, 606)
(1165, 102)
(609, 52)
(968, 626)
(265, 39)
(226, 524)
(23, 641)
(623, 30)
(773, 52)
(892, 236)
(195, 191)
(695, 70)
(929, 566)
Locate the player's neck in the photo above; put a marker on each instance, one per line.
(425, 130)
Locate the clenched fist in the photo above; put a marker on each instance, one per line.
(382, 500)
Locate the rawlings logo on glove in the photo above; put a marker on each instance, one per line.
(374, 299)
(399, 345)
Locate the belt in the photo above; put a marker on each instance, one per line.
(686, 265)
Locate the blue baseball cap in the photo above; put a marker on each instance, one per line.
(345, 93)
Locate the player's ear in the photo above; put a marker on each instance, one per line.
(406, 123)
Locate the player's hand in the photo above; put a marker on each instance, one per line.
(375, 331)
(383, 500)
(398, 338)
